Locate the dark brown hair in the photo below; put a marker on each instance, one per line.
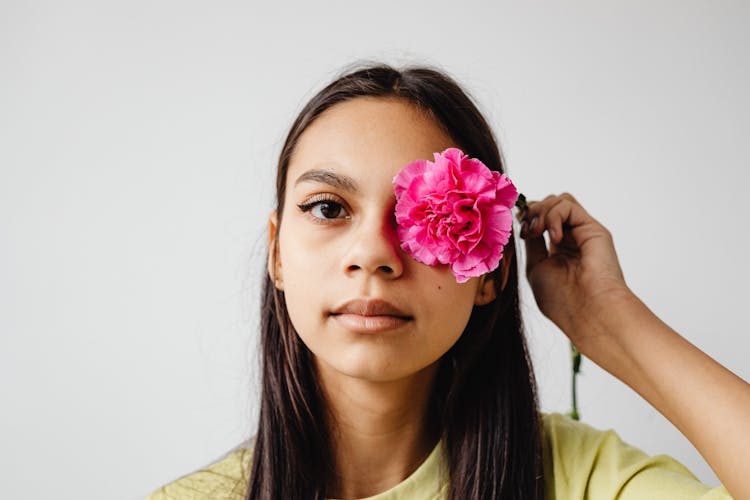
(484, 398)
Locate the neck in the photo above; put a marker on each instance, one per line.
(381, 431)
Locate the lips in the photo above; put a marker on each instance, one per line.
(370, 315)
(370, 307)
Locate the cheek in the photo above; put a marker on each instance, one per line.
(447, 305)
(305, 307)
(304, 254)
(303, 270)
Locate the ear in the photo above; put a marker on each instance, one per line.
(274, 263)
(486, 290)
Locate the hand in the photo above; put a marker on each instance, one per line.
(580, 272)
(579, 285)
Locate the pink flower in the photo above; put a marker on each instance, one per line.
(454, 211)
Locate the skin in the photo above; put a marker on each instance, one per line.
(377, 384)
(578, 284)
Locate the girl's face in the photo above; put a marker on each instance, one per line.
(338, 241)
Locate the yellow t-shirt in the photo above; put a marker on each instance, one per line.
(580, 462)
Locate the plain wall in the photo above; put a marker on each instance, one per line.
(138, 142)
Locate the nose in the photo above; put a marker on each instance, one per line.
(375, 247)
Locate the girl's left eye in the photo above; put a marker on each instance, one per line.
(324, 209)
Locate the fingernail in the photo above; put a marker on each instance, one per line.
(533, 223)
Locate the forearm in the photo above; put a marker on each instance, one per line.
(708, 403)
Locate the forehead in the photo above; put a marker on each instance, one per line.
(368, 134)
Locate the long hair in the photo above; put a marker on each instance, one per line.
(484, 397)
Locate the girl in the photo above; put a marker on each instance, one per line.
(386, 378)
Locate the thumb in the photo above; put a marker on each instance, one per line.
(536, 251)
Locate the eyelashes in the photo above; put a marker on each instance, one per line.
(327, 206)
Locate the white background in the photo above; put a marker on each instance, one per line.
(138, 142)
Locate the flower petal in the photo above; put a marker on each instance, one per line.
(454, 211)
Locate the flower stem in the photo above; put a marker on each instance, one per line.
(575, 356)
(521, 202)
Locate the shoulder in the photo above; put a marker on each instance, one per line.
(581, 461)
(223, 479)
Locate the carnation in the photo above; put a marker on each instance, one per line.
(454, 211)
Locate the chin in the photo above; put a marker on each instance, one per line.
(369, 366)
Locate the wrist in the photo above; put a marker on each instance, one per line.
(604, 318)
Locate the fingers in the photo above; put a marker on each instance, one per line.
(536, 251)
(559, 216)
(551, 214)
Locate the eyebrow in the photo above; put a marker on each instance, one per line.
(340, 181)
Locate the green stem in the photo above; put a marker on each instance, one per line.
(521, 202)
(575, 354)
(576, 362)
